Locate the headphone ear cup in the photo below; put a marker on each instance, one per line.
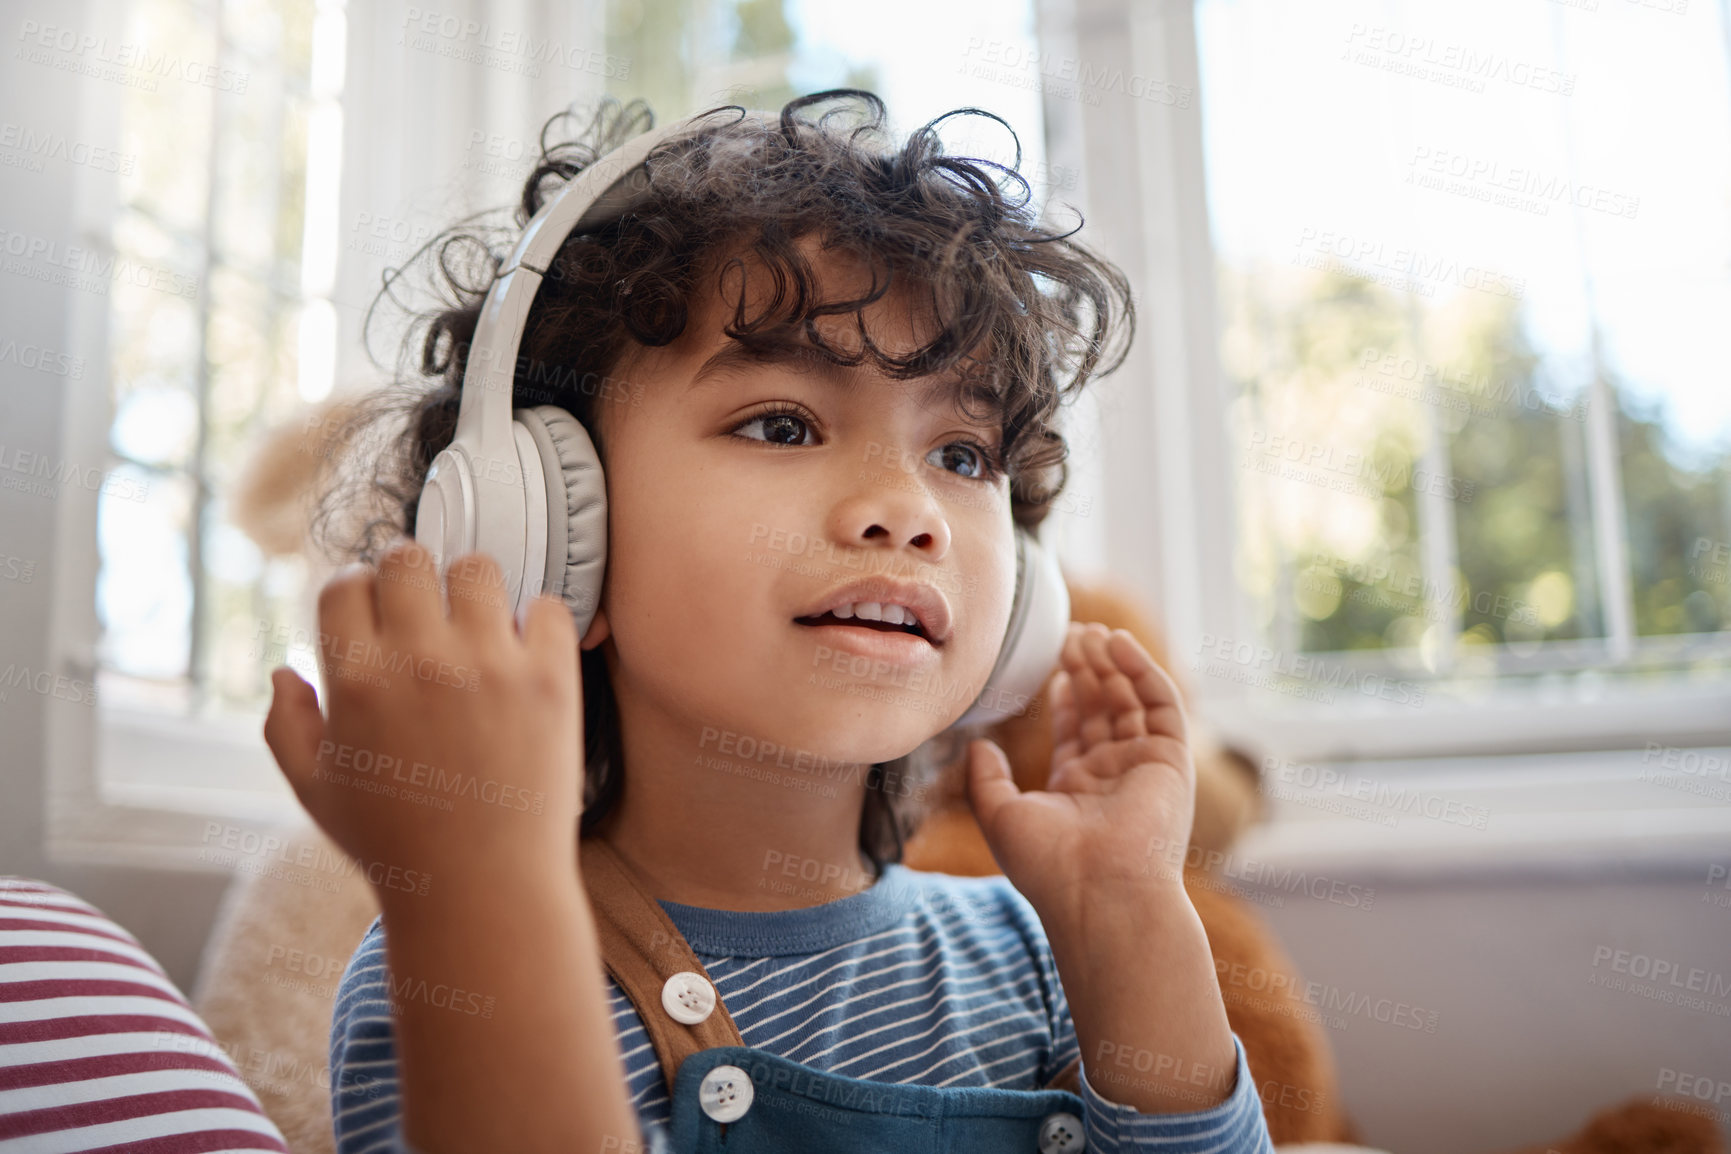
(1033, 640)
(576, 557)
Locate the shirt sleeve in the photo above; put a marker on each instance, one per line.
(1235, 1126)
(366, 1109)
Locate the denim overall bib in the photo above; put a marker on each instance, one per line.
(733, 1098)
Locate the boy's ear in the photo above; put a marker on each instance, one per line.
(597, 632)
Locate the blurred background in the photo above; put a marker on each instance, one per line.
(1420, 458)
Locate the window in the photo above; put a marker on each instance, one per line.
(687, 55)
(1230, 147)
(219, 323)
(232, 206)
(1477, 414)
(1469, 262)
(1510, 490)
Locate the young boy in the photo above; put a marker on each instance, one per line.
(795, 334)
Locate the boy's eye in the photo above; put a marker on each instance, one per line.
(780, 428)
(789, 427)
(962, 453)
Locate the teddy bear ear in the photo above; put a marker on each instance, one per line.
(270, 498)
(1228, 792)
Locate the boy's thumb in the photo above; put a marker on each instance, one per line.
(294, 726)
(990, 784)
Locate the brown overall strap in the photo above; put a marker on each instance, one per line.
(642, 948)
(1069, 1078)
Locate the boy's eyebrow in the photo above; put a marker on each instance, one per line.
(735, 356)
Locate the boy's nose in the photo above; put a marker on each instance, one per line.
(920, 541)
(875, 516)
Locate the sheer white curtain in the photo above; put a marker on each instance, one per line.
(442, 106)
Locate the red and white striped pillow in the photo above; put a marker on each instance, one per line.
(98, 1049)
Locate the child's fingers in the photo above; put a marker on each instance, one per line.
(1063, 708)
(478, 603)
(550, 634)
(1073, 658)
(1124, 693)
(409, 604)
(1093, 702)
(1155, 691)
(990, 784)
(1121, 713)
(294, 726)
(1070, 653)
(348, 617)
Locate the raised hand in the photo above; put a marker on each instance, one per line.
(1131, 952)
(453, 750)
(450, 743)
(1121, 781)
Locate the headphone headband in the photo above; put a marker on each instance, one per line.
(498, 487)
(601, 192)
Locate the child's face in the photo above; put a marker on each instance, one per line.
(726, 525)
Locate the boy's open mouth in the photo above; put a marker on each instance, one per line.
(882, 604)
(830, 618)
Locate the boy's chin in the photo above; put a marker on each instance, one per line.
(866, 733)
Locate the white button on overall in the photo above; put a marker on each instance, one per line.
(688, 997)
(725, 1093)
(1061, 1133)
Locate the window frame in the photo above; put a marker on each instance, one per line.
(1146, 205)
(87, 816)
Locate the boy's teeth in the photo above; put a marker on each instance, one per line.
(875, 611)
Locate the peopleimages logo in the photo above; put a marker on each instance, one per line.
(43, 360)
(1301, 675)
(1524, 187)
(1386, 799)
(1464, 390)
(234, 846)
(37, 146)
(1440, 601)
(1458, 65)
(482, 42)
(90, 54)
(1261, 876)
(1066, 77)
(74, 266)
(1399, 266)
(1663, 972)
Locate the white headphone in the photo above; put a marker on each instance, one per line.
(525, 486)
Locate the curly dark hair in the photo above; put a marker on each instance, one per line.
(1048, 314)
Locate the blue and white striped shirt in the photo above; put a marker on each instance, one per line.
(923, 978)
